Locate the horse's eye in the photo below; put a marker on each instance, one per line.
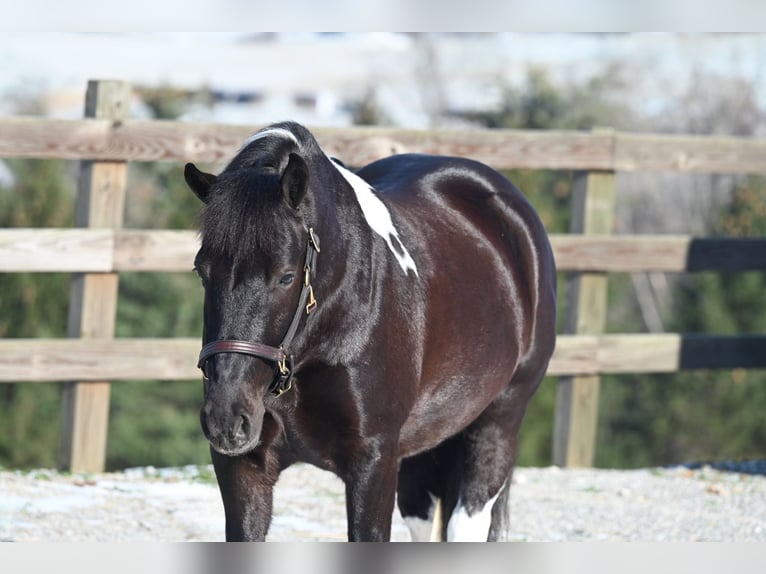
(287, 278)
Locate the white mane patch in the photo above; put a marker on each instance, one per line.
(378, 217)
(270, 132)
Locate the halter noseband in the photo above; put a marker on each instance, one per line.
(280, 356)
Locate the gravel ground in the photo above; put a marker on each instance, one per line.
(547, 504)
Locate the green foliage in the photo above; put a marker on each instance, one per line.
(706, 415)
(165, 102)
(150, 422)
(536, 436)
(541, 105)
(367, 112)
(672, 418)
(42, 196)
(156, 423)
(33, 305)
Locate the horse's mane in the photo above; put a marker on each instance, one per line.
(237, 219)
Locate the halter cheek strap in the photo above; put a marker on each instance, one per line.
(280, 356)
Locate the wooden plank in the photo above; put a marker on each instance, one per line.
(156, 250)
(98, 359)
(137, 250)
(96, 250)
(669, 253)
(621, 253)
(32, 360)
(136, 140)
(711, 154)
(626, 353)
(585, 313)
(123, 140)
(502, 149)
(656, 353)
(56, 250)
(93, 301)
(104, 250)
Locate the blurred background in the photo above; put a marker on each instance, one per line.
(661, 83)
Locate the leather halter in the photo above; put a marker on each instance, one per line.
(280, 356)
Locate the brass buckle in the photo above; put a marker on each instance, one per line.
(284, 380)
(279, 391)
(312, 304)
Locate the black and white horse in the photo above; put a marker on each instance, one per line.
(389, 325)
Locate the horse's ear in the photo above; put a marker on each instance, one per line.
(199, 181)
(295, 180)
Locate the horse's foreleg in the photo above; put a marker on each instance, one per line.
(247, 486)
(370, 495)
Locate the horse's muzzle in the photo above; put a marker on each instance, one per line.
(231, 434)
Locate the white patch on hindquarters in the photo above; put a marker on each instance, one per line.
(378, 217)
(463, 527)
(430, 529)
(268, 132)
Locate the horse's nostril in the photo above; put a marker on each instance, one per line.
(242, 428)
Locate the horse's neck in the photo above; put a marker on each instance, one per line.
(345, 239)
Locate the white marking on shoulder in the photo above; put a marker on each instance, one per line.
(270, 132)
(378, 218)
(464, 527)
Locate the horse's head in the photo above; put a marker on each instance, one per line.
(254, 233)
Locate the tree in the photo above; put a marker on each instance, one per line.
(707, 415)
(33, 305)
(664, 419)
(151, 422)
(367, 112)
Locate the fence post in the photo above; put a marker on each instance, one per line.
(574, 436)
(93, 296)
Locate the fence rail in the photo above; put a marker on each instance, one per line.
(134, 140)
(108, 250)
(34, 360)
(99, 249)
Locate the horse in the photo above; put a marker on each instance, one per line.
(389, 325)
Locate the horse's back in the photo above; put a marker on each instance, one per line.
(488, 278)
(450, 197)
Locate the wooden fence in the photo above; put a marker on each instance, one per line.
(98, 249)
